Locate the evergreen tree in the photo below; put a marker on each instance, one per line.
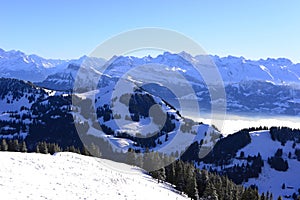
(191, 183)
(210, 191)
(242, 154)
(53, 148)
(42, 148)
(4, 145)
(84, 151)
(271, 196)
(170, 173)
(71, 149)
(250, 194)
(148, 160)
(159, 174)
(262, 197)
(13, 145)
(139, 161)
(179, 180)
(23, 147)
(279, 198)
(130, 157)
(294, 196)
(37, 149)
(95, 150)
(267, 196)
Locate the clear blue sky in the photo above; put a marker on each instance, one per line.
(71, 28)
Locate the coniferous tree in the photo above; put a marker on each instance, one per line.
(95, 150)
(294, 196)
(42, 148)
(279, 198)
(148, 160)
(4, 145)
(84, 151)
(179, 180)
(191, 183)
(159, 174)
(16, 145)
(139, 161)
(23, 147)
(250, 194)
(262, 197)
(170, 173)
(37, 149)
(242, 154)
(271, 196)
(72, 149)
(210, 191)
(130, 157)
(54, 148)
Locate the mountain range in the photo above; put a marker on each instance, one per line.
(232, 69)
(116, 105)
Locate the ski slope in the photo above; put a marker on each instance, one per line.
(72, 176)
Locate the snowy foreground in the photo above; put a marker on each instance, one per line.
(73, 176)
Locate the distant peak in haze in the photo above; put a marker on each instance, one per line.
(184, 54)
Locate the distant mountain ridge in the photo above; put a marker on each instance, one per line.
(16, 64)
(263, 86)
(232, 69)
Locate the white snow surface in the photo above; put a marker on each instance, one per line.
(72, 176)
(270, 179)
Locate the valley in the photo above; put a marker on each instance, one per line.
(120, 116)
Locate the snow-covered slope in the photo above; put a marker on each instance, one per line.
(73, 176)
(130, 117)
(271, 179)
(144, 121)
(262, 148)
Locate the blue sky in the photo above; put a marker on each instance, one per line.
(71, 28)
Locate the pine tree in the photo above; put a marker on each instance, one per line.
(179, 176)
(159, 174)
(210, 191)
(130, 157)
(37, 149)
(262, 197)
(4, 145)
(268, 195)
(73, 149)
(191, 183)
(162, 175)
(166, 137)
(13, 145)
(84, 151)
(250, 194)
(42, 148)
(139, 161)
(242, 154)
(271, 196)
(170, 173)
(95, 151)
(23, 147)
(148, 160)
